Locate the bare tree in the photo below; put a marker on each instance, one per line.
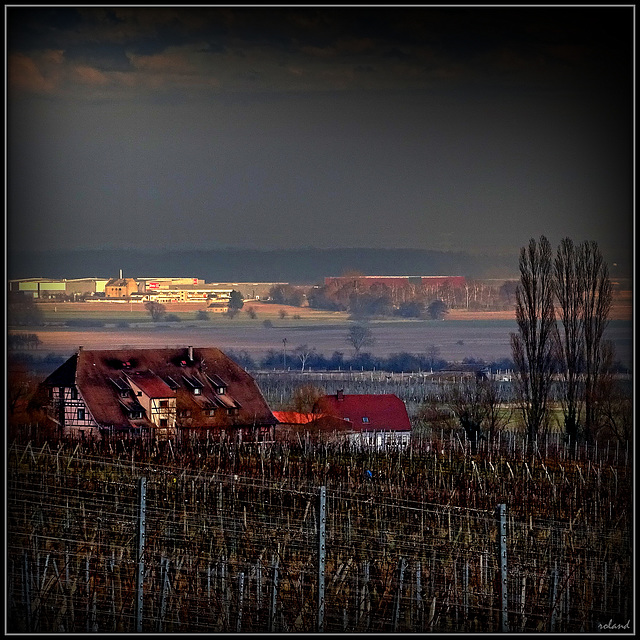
(359, 336)
(304, 352)
(596, 288)
(534, 345)
(467, 403)
(433, 353)
(570, 343)
(584, 296)
(615, 405)
(497, 413)
(305, 397)
(478, 404)
(156, 310)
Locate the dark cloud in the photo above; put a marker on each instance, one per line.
(450, 127)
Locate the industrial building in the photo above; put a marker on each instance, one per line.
(47, 288)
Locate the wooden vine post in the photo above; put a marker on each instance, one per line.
(501, 513)
(142, 495)
(322, 555)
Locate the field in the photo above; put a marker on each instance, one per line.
(274, 537)
(463, 334)
(303, 536)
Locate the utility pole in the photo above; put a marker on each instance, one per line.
(284, 354)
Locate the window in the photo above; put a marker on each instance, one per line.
(61, 391)
(80, 414)
(197, 391)
(365, 419)
(163, 422)
(164, 404)
(211, 412)
(74, 393)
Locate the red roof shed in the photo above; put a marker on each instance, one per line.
(367, 412)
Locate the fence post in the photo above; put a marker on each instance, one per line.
(240, 594)
(465, 589)
(142, 495)
(396, 616)
(322, 557)
(419, 605)
(552, 600)
(274, 595)
(27, 594)
(502, 563)
(259, 584)
(164, 581)
(365, 595)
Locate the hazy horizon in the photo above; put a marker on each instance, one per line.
(299, 266)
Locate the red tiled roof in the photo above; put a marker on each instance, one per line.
(151, 384)
(294, 417)
(381, 412)
(94, 371)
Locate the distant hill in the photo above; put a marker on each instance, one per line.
(302, 266)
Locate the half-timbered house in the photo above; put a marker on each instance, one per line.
(161, 393)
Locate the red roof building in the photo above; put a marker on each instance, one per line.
(367, 412)
(293, 425)
(155, 392)
(364, 282)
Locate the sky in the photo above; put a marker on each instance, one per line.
(444, 128)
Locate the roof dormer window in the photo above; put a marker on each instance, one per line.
(172, 383)
(194, 384)
(219, 385)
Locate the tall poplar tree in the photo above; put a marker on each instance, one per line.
(534, 346)
(569, 298)
(595, 286)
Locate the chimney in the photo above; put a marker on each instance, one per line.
(120, 274)
(340, 395)
(190, 353)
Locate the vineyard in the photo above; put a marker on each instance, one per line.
(223, 536)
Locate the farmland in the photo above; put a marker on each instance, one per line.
(276, 537)
(481, 336)
(234, 535)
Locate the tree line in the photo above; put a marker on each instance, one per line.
(563, 301)
(407, 301)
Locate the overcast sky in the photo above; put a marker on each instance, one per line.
(417, 127)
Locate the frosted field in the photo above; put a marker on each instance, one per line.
(456, 339)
